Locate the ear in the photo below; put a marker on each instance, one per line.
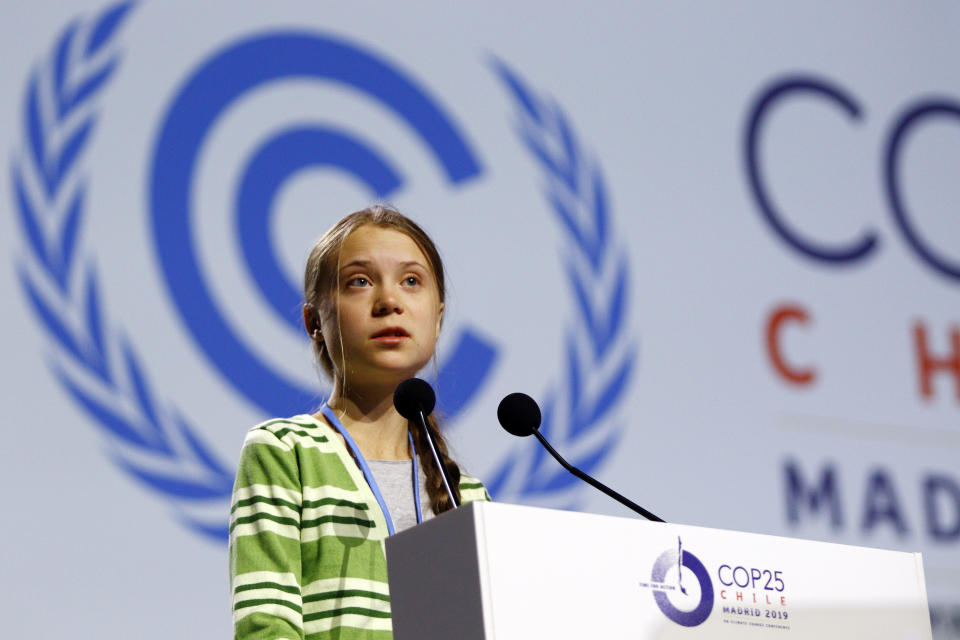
(311, 322)
(439, 318)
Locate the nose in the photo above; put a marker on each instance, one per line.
(387, 302)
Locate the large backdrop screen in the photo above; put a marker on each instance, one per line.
(719, 243)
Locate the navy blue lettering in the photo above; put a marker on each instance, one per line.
(911, 118)
(720, 575)
(943, 526)
(746, 577)
(822, 495)
(851, 251)
(881, 504)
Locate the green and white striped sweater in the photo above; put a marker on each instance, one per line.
(307, 538)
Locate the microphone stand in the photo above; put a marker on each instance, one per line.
(602, 487)
(436, 458)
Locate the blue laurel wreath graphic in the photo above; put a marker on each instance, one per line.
(599, 354)
(100, 371)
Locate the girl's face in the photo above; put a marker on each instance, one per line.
(388, 305)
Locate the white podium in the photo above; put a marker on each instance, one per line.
(508, 572)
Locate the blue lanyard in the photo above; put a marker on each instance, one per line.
(368, 474)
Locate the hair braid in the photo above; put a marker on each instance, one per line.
(439, 499)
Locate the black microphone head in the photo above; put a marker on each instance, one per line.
(412, 396)
(519, 414)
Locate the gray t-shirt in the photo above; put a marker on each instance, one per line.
(395, 479)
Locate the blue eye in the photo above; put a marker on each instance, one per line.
(359, 281)
(411, 281)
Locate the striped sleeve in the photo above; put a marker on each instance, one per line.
(472, 490)
(265, 569)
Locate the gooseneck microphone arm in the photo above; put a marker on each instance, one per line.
(630, 504)
(438, 460)
(414, 399)
(519, 415)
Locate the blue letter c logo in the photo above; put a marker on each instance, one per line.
(205, 96)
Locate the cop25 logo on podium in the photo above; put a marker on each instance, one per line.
(686, 608)
(100, 370)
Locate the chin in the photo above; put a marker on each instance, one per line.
(397, 372)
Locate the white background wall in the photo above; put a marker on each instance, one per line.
(658, 97)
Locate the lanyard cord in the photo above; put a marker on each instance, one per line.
(368, 474)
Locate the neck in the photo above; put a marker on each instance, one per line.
(373, 422)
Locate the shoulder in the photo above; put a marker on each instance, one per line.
(301, 448)
(288, 433)
(471, 489)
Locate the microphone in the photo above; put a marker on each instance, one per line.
(519, 415)
(414, 399)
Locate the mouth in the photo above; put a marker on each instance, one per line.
(390, 332)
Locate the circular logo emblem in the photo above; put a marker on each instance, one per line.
(687, 566)
(227, 77)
